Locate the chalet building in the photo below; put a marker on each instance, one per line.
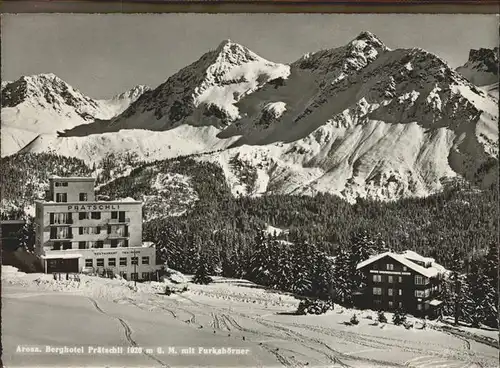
(74, 232)
(401, 280)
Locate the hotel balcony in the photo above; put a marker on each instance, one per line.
(118, 236)
(61, 237)
(62, 223)
(119, 221)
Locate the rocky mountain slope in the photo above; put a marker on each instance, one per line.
(481, 68)
(45, 104)
(359, 120)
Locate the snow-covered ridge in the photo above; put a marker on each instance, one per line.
(45, 104)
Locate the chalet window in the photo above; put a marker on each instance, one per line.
(391, 304)
(400, 292)
(89, 262)
(427, 292)
(51, 218)
(99, 244)
(405, 268)
(98, 230)
(114, 215)
(377, 278)
(400, 279)
(390, 279)
(112, 262)
(390, 266)
(95, 215)
(123, 261)
(81, 245)
(53, 233)
(389, 292)
(400, 304)
(114, 243)
(67, 245)
(377, 291)
(57, 246)
(145, 260)
(426, 306)
(419, 293)
(125, 243)
(419, 280)
(135, 260)
(83, 197)
(419, 307)
(100, 262)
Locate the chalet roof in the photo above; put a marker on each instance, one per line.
(406, 260)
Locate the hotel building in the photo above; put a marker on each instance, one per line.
(77, 233)
(405, 281)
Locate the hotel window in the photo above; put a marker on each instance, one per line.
(61, 183)
(114, 243)
(389, 292)
(390, 266)
(123, 261)
(83, 215)
(145, 276)
(81, 245)
(99, 244)
(377, 291)
(100, 262)
(83, 197)
(400, 292)
(125, 243)
(419, 280)
(57, 246)
(145, 260)
(400, 304)
(61, 197)
(390, 279)
(404, 268)
(377, 278)
(400, 279)
(419, 293)
(89, 262)
(91, 244)
(96, 215)
(377, 302)
(98, 230)
(114, 215)
(112, 262)
(391, 304)
(133, 276)
(134, 260)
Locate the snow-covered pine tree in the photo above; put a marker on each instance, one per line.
(344, 282)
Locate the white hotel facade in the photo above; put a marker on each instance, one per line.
(76, 233)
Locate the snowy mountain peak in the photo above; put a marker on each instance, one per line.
(47, 90)
(481, 68)
(132, 94)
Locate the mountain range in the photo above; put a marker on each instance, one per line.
(360, 120)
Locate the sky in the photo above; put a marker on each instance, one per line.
(106, 54)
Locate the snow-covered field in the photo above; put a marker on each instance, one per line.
(229, 313)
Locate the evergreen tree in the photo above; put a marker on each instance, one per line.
(399, 317)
